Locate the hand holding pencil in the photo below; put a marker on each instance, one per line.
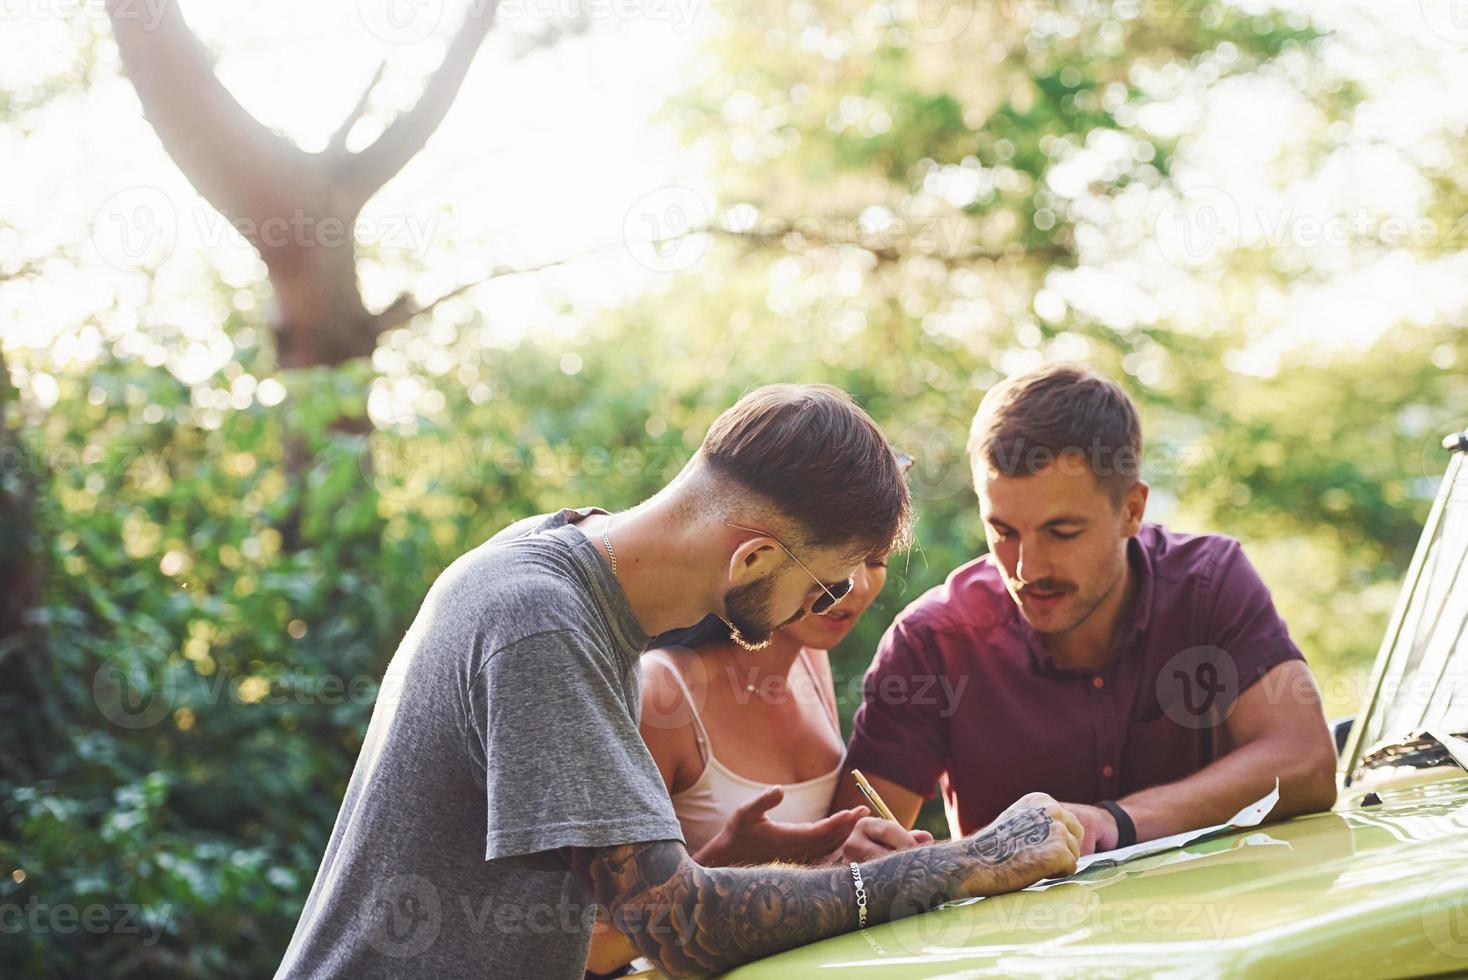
(879, 836)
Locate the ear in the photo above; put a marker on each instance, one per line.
(753, 559)
(1134, 508)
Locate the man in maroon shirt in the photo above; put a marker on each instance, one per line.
(1140, 674)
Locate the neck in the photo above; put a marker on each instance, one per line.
(1092, 644)
(764, 671)
(659, 553)
(774, 660)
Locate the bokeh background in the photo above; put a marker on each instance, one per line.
(234, 455)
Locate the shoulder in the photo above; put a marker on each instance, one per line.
(666, 719)
(820, 665)
(1178, 556)
(972, 599)
(662, 673)
(507, 590)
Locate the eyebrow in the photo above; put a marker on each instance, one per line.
(1052, 523)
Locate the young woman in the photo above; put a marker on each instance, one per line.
(748, 743)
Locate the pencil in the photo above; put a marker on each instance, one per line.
(872, 796)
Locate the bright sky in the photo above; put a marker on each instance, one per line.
(554, 155)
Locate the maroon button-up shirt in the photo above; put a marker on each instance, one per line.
(963, 694)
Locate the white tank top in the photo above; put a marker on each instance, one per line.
(705, 807)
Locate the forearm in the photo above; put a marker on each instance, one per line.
(1218, 791)
(691, 920)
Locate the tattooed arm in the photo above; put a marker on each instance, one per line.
(693, 921)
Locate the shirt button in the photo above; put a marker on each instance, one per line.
(1097, 682)
(1107, 771)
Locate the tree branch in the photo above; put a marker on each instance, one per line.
(362, 174)
(404, 309)
(243, 169)
(775, 234)
(338, 144)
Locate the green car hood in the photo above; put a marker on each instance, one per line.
(1361, 891)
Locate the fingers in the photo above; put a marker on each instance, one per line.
(819, 838)
(1077, 838)
(876, 837)
(810, 841)
(1069, 819)
(851, 816)
(886, 833)
(757, 807)
(1066, 865)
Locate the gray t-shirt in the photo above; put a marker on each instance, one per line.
(505, 731)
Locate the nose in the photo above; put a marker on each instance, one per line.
(1030, 564)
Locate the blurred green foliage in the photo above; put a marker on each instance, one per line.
(216, 621)
(184, 744)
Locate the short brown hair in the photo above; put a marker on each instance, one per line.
(820, 460)
(1031, 420)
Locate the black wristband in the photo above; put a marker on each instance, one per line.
(1126, 831)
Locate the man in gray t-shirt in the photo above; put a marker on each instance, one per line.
(503, 794)
(516, 687)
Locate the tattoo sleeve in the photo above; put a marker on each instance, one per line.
(693, 921)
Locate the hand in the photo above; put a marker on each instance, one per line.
(1099, 824)
(1035, 838)
(751, 837)
(876, 837)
